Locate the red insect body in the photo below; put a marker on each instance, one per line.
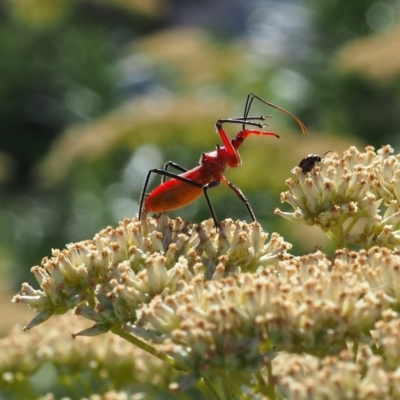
(181, 190)
(174, 194)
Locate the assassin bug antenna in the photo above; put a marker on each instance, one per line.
(252, 96)
(308, 163)
(185, 187)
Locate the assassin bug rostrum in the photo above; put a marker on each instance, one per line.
(184, 188)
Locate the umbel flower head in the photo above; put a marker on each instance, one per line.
(215, 300)
(109, 278)
(308, 303)
(108, 360)
(353, 198)
(303, 377)
(233, 305)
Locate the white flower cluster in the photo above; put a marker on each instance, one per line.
(346, 196)
(107, 279)
(305, 304)
(204, 302)
(105, 361)
(303, 377)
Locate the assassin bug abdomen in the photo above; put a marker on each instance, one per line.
(184, 188)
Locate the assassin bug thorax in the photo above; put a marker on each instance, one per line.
(182, 189)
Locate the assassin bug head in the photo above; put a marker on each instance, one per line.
(249, 120)
(308, 163)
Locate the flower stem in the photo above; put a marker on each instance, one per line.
(231, 390)
(116, 329)
(208, 390)
(355, 350)
(270, 389)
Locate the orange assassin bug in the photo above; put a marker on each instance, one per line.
(187, 186)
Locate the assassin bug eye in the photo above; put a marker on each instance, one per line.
(308, 163)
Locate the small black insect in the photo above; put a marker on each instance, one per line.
(308, 162)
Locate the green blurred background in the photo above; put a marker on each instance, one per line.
(95, 93)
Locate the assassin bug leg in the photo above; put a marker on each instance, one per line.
(308, 163)
(183, 188)
(174, 165)
(242, 197)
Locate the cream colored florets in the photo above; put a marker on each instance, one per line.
(353, 198)
(231, 307)
(108, 278)
(302, 377)
(303, 304)
(102, 360)
(206, 299)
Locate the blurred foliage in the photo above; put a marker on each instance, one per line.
(80, 368)
(56, 73)
(95, 93)
(369, 56)
(57, 62)
(338, 21)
